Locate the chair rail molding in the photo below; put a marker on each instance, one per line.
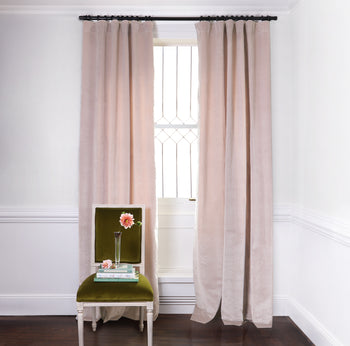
(324, 225)
(39, 215)
(317, 222)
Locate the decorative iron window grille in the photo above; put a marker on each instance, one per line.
(176, 120)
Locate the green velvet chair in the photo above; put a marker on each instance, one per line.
(105, 221)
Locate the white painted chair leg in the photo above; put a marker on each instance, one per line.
(149, 326)
(94, 318)
(141, 318)
(80, 309)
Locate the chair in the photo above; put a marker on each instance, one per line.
(105, 221)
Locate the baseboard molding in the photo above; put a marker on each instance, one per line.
(37, 304)
(65, 304)
(176, 294)
(185, 305)
(280, 305)
(176, 305)
(309, 324)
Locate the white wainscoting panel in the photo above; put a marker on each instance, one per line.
(39, 252)
(319, 284)
(176, 222)
(39, 256)
(176, 295)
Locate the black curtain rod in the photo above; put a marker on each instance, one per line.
(201, 18)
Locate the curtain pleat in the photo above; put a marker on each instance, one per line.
(117, 163)
(233, 245)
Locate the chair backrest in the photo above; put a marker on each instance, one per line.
(105, 221)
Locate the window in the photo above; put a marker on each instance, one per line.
(176, 153)
(176, 120)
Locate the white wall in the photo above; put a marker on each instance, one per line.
(40, 109)
(281, 89)
(39, 138)
(319, 242)
(321, 107)
(39, 124)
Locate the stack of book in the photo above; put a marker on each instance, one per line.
(122, 273)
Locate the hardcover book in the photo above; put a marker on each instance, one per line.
(134, 279)
(122, 268)
(121, 275)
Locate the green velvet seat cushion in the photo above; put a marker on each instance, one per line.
(90, 291)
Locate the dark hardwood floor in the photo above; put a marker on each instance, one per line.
(168, 330)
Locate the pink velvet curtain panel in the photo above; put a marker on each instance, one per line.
(233, 253)
(117, 132)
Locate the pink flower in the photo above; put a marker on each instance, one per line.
(106, 264)
(126, 220)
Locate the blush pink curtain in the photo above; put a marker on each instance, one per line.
(233, 252)
(117, 163)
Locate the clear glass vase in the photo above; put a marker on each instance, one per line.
(118, 240)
